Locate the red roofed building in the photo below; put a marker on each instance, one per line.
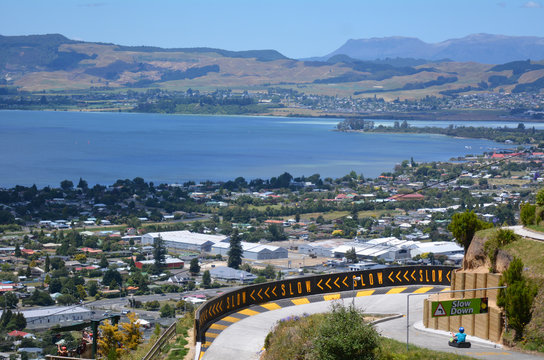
(90, 250)
(274, 222)
(407, 197)
(90, 267)
(28, 251)
(18, 333)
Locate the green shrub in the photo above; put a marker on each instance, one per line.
(491, 248)
(345, 335)
(517, 298)
(498, 240)
(527, 214)
(540, 198)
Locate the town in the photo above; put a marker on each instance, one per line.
(77, 252)
(283, 101)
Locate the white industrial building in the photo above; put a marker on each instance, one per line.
(393, 249)
(320, 248)
(253, 251)
(230, 274)
(184, 240)
(447, 248)
(46, 317)
(388, 249)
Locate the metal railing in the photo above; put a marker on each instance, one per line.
(164, 338)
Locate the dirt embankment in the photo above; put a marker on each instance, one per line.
(476, 259)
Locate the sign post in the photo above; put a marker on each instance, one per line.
(435, 308)
(459, 307)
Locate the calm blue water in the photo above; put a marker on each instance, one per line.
(44, 148)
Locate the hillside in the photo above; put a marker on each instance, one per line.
(530, 252)
(482, 48)
(54, 62)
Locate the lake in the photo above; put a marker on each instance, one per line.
(44, 148)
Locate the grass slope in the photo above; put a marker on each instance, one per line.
(531, 252)
(295, 339)
(52, 62)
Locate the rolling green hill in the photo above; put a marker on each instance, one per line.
(54, 62)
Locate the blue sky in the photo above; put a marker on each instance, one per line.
(296, 28)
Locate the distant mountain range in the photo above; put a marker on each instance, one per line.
(481, 48)
(408, 67)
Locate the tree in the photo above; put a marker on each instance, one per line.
(540, 198)
(6, 217)
(92, 288)
(66, 299)
(47, 267)
(39, 298)
(110, 341)
(351, 255)
(17, 322)
(157, 330)
(103, 262)
(9, 300)
(527, 214)
(194, 267)
(235, 251)
(134, 222)
(269, 272)
(83, 185)
(464, 225)
(66, 185)
(206, 278)
(5, 318)
(276, 232)
(81, 293)
(159, 254)
(81, 258)
(55, 285)
(17, 252)
(167, 311)
(517, 298)
(131, 332)
(57, 263)
(112, 276)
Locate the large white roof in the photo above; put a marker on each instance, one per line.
(53, 310)
(247, 246)
(436, 247)
(188, 237)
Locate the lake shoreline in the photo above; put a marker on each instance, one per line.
(440, 116)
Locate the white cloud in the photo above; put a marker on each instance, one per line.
(532, 5)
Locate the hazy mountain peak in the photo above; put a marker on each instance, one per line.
(480, 47)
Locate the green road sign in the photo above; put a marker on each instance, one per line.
(459, 307)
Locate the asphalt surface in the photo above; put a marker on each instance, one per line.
(244, 339)
(528, 233)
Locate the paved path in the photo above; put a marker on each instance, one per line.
(528, 233)
(243, 340)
